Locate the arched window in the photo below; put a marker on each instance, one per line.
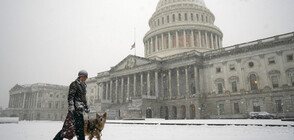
(174, 112)
(253, 82)
(220, 88)
(183, 112)
(192, 112)
(148, 113)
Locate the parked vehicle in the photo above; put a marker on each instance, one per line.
(261, 115)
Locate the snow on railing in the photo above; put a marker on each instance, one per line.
(251, 43)
(9, 120)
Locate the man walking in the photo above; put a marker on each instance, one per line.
(77, 104)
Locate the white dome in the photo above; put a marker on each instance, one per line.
(163, 3)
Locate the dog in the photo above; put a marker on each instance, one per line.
(94, 127)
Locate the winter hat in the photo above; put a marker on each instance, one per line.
(83, 73)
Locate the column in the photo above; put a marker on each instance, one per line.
(148, 84)
(103, 84)
(162, 42)
(226, 84)
(220, 42)
(37, 98)
(169, 84)
(156, 83)
(116, 91)
(150, 47)
(10, 102)
(128, 89)
(135, 85)
(156, 43)
(177, 40)
(215, 45)
(122, 90)
(184, 40)
(192, 39)
(178, 83)
(24, 100)
(199, 38)
(142, 84)
(284, 81)
(169, 40)
(187, 81)
(212, 44)
(196, 79)
(110, 92)
(106, 94)
(217, 42)
(206, 40)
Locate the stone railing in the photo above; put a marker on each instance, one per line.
(247, 46)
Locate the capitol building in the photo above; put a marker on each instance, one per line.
(186, 73)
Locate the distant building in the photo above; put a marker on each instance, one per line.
(187, 74)
(37, 102)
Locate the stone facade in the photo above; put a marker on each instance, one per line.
(37, 102)
(186, 74)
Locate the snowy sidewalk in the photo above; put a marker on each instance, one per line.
(247, 122)
(46, 130)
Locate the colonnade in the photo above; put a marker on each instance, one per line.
(23, 100)
(183, 39)
(175, 83)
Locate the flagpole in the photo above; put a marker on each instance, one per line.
(135, 39)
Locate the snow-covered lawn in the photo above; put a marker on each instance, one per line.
(46, 130)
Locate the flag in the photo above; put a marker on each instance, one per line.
(133, 46)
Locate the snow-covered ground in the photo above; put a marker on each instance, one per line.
(46, 130)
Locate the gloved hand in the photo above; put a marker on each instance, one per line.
(87, 110)
(71, 109)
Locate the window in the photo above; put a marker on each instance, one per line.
(50, 105)
(232, 67)
(271, 61)
(186, 17)
(167, 19)
(202, 18)
(236, 108)
(174, 17)
(292, 79)
(289, 57)
(251, 64)
(220, 88)
(180, 17)
(57, 96)
(275, 81)
(51, 95)
(221, 109)
(162, 20)
(256, 106)
(206, 19)
(218, 70)
(234, 86)
(56, 105)
(279, 106)
(253, 82)
(192, 17)
(197, 16)
(158, 22)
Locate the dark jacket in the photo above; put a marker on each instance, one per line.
(77, 95)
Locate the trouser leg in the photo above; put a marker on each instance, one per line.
(79, 120)
(58, 136)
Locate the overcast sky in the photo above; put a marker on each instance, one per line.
(49, 41)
